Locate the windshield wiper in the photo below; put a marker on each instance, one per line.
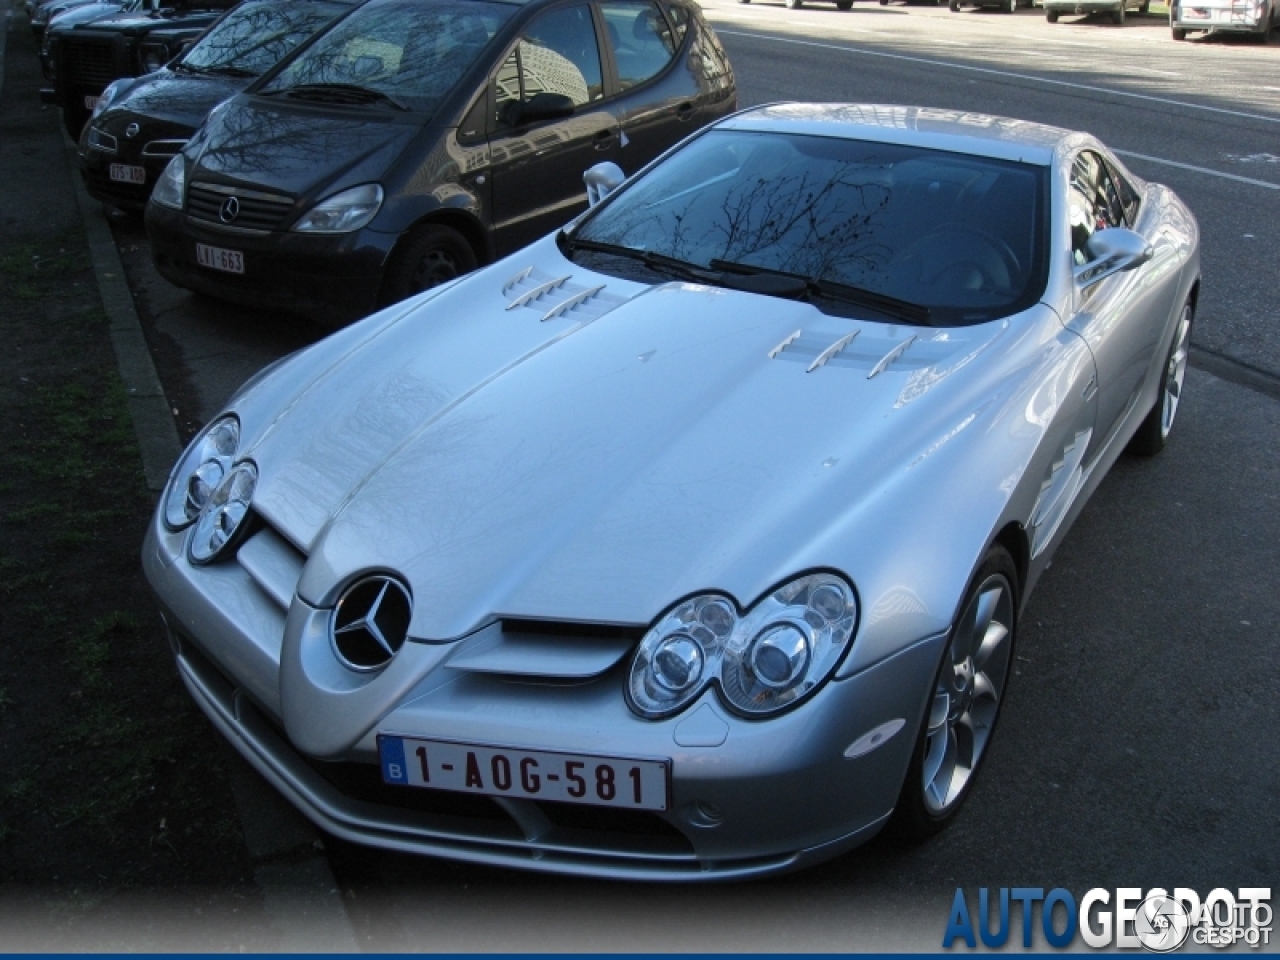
(343, 93)
(834, 290)
(656, 261)
(229, 70)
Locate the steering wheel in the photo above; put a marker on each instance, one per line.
(957, 256)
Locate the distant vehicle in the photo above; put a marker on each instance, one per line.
(1117, 8)
(797, 4)
(83, 13)
(88, 56)
(140, 123)
(1005, 6)
(690, 542)
(1257, 17)
(412, 141)
(42, 13)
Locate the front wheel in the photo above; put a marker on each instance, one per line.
(1051, 16)
(1154, 432)
(794, 4)
(844, 4)
(1117, 15)
(1178, 34)
(427, 257)
(955, 6)
(964, 702)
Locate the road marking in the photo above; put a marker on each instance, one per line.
(1006, 73)
(1195, 169)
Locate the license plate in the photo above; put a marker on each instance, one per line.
(90, 102)
(127, 173)
(216, 258)
(526, 774)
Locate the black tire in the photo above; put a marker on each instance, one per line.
(794, 4)
(919, 813)
(1010, 6)
(1153, 434)
(1051, 16)
(1178, 35)
(955, 6)
(426, 257)
(844, 4)
(1117, 16)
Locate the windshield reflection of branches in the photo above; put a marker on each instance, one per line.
(255, 37)
(411, 52)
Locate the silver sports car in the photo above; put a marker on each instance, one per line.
(690, 541)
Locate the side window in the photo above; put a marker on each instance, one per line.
(641, 39)
(679, 20)
(557, 54)
(1095, 203)
(1129, 199)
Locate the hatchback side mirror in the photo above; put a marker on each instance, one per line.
(546, 106)
(602, 180)
(1111, 251)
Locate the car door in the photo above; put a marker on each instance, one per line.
(1121, 317)
(537, 167)
(656, 106)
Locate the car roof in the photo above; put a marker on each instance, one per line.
(978, 134)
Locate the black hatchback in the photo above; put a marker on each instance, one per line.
(416, 139)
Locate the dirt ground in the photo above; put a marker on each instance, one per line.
(117, 822)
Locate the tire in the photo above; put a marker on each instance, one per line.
(1009, 6)
(1178, 34)
(964, 702)
(1153, 434)
(1145, 6)
(794, 4)
(426, 257)
(1117, 16)
(955, 6)
(844, 4)
(744, 1)
(1051, 16)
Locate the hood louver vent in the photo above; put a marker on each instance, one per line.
(555, 297)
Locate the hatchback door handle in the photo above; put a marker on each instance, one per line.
(603, 140)
(684, 111)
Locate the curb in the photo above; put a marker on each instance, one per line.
(299, 892)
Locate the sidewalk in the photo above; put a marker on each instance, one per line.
(121, 810)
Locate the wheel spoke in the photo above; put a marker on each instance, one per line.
(992, 642)
(938, 711)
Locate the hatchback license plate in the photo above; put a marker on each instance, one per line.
(216, 258)
(127, 173)
(528, 774)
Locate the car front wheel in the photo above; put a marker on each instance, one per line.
(961, 712)
(1154, 432)
(1117, 15)
(1051, 16)
(428, 256)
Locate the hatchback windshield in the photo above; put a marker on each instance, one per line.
(963, 236)
(254, 37)
(405, 53)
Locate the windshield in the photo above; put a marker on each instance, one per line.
(254, 37)
(404, 51)
(965, 237)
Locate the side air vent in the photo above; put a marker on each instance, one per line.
(548, 651)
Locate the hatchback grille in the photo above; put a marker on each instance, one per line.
(256, 211)
(90, 61)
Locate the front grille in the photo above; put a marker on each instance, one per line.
(257, 211)
(90, 61)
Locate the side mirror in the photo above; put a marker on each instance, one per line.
(546, 106)
(602, 180)
(1113, 250)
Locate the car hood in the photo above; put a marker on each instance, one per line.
(144, 20)
(599, 455)
(82, 14)
(298, 149)
(174, 101)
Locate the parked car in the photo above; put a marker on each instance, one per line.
(1255, 17)
(139, 124)
(1005, 6)
(797, 4)
(68, 18)
(689, 542)
(411, 142)
(1117, 8)
(42, 13)
(88, 56)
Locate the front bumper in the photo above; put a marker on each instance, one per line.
(785, 793)
(95, 169)
(334, 279)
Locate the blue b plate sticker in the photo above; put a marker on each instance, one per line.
(391, 751)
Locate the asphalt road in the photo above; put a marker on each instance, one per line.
(1138, 742)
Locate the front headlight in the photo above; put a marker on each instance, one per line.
(109, 94)
(200, 472)
(224, 516)
(169, 188)
(343, 212)
(769, 659)
(153, 56)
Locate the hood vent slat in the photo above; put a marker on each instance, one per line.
(891, 356)
(543, 288)
(832, 351)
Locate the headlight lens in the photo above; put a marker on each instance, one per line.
(200, 471)
(224, 517)
(153, 56)
(772, 657)
(171, 185)
(343, 212)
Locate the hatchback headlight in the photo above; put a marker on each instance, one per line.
(200, 471)
(170, 187)
(153, 56)
(343, 212)
(223, 518)
(764, 661)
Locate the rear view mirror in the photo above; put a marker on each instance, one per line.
(546, 106)
(602, 180)
(1111, 251)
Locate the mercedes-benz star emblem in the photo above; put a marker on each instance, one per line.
(131, 130)
(229, 210)
(370, 622)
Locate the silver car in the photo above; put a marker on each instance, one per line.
(1254, 17)
(689, 542)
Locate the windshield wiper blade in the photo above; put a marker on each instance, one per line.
(229, 70)
(834, 290)
(344, 93)
(656, 261)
